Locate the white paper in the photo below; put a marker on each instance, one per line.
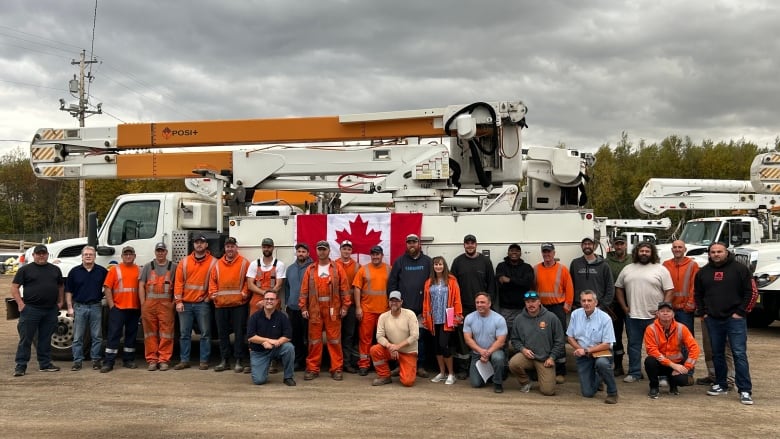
(485, 369)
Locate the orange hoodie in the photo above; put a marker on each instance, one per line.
(227, 285)
(668, 349)
(683, 275)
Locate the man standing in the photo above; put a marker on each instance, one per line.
(370, 290)
(683, 271)
(190, 293)
(349, 322)
(723, 289)
(617, 259)
(484, 331)
(590, 334)
(408, 275)
(265, 274)
(124, 310)
(269, 333)
(324, 301)
(538, 338)
(396, 334)
(474, 272)
(590, 272)
(43, 297)
(515, 278)
(668, 343)
(84, 294)
(228, 290)
(640, 287)
(555, 289)
(155, 290)
(292, 292)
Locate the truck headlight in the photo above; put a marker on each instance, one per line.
(764, 279)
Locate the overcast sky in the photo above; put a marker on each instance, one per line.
(587, 70)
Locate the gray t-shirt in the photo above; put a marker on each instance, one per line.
(644, 285)
(486, 329)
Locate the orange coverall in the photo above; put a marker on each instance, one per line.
(372, 282)
(157, 316)
(324, 298)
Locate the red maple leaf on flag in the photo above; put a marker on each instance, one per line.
(362, 238)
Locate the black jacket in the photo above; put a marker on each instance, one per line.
(722, 290)
(521, 280)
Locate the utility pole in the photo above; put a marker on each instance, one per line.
(79, 111)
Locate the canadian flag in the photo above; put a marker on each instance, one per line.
(364, 230)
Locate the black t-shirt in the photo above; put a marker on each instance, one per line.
(41, 284)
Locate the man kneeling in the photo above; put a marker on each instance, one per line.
(664, 341)
(591, 335)
(269, 333)
(397, 332)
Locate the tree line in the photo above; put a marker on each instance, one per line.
(34, 209)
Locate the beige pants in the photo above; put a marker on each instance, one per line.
(519, 364)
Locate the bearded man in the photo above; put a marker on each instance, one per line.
(639, 288)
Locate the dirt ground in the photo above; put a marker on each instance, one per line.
(193, 403)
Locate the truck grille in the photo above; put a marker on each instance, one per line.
(744, 258)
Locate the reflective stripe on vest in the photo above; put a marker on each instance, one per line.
(244, 265)
(153, 290)
(675, 358)
(262, 276)
(194, 287)
(686, 282)
(370, 291)
(120, 285)
(556, 292)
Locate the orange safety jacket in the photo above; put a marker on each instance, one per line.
(372, 281)
(191, 283)
(122, 280)
(554, 285)
(667, 347)
(332, 292)
(227, 284)
(350, 269)
(683, 278)
(159, 287)
(453, 301)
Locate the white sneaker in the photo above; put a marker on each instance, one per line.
(630, 379)
(438, 378)
(663, 382)
(525, 388)
(450, 379)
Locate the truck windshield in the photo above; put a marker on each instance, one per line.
(700, 232)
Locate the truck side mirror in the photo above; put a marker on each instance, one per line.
(103, 250)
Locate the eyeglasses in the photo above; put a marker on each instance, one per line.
(270, 300)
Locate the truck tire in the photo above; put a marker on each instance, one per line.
(62, 338)
(761, 316)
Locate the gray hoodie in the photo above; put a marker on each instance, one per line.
(595, 276)
(542, 334)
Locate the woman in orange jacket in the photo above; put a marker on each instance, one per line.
(442, 312)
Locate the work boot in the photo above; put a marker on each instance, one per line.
(76, 366)
(152, 367)
(107, 367)
(611, 399)
(203, 365)
(222, 366)
(337, 375)
(96, 364)
(381, 381)
(619, 371)
(182, 365)
(309, 375)
(129, 365)
(164, 367)
(238, 368)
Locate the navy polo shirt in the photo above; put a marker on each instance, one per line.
(276, 327)
(86, 286)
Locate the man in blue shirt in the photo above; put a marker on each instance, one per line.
(292, 291)
(591, 335)
(484, 331)
(84, 296)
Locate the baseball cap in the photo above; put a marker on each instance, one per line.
(267, 241)
(514, 246)
(301, 245)
(469, 238)
(346, 243)
(200, 237)
(548, 246)
(619, 238)
(40, 248)
(531, 295)
(395, 295)
(665, 305)
(377, 249)
(412, 237)
(128, 249)
(160, 246)
(587, 239)
(231, 240)
(323, 244)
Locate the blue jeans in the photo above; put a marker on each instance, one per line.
(735, 331)
(497, 359)
(34, 320)
(594, 370)
(261, 361)
(83, 316)
(200, 311)
(635, 328)
(684, 317)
